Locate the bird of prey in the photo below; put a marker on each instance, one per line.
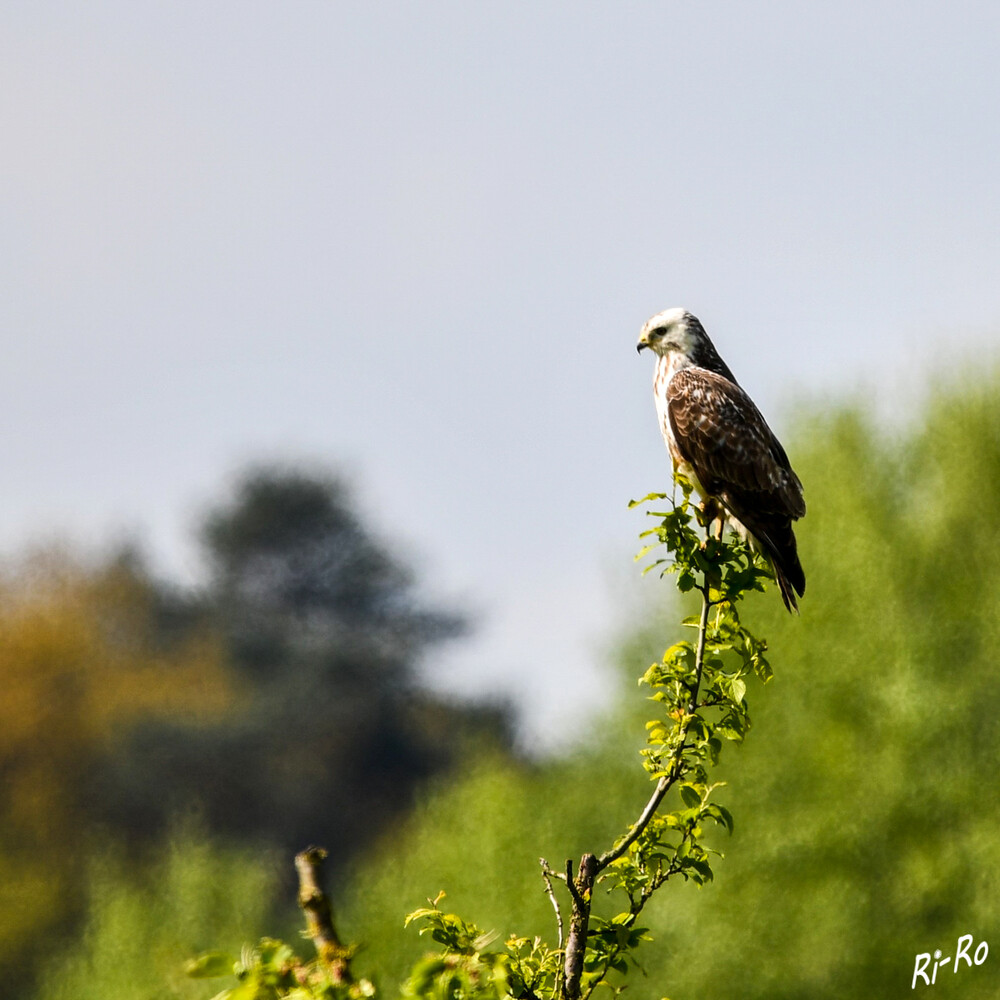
(719, 440)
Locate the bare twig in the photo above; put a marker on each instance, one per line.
(319, 919)
(548, 874)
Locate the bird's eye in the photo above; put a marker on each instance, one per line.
(660, 332)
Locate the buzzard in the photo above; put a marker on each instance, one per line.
(717, 437)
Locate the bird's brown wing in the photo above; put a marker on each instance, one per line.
(737, 459)
(723, 436)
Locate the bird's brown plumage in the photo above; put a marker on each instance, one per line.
(719, 432)
(717, 436)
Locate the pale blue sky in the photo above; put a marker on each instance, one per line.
(417, 241)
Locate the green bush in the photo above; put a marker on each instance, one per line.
(141, 927)
(866, 802)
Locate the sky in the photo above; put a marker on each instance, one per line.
(414, 244)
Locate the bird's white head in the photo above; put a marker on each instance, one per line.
(679, 338)
(673, 330)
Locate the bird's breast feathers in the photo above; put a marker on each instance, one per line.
(665, 370)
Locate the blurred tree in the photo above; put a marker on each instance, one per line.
(325, 630)
(84, 655)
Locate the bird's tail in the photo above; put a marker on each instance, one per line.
(785, 587)
(770, 532)
(775, 538)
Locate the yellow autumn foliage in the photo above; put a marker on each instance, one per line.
(82, 661)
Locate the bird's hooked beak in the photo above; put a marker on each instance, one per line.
(643, 343)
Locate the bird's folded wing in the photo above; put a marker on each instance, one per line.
(722, 434)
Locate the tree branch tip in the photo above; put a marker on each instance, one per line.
(548, 872)
(312, 855)
(571, 885)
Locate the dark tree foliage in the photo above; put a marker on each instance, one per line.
(324, 629)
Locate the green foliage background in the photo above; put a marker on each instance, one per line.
(190, 896)
(866, 797)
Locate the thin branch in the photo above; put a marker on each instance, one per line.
(665, 782)
(571, 882)
(319, 919)
(590, 867)
(662, 787)
(547, 875)
(699, 656)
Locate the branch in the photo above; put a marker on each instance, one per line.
(664, 784)
(548, 874)
(590, 867)
(635, 831)
(699, 656)
(319, 919)
(576, 944)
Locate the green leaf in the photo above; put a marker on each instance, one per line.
(727, 818)
(418, 914)
(211, 965)
(646, 499)
(690, 796)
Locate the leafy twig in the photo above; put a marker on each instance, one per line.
(680, 750)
